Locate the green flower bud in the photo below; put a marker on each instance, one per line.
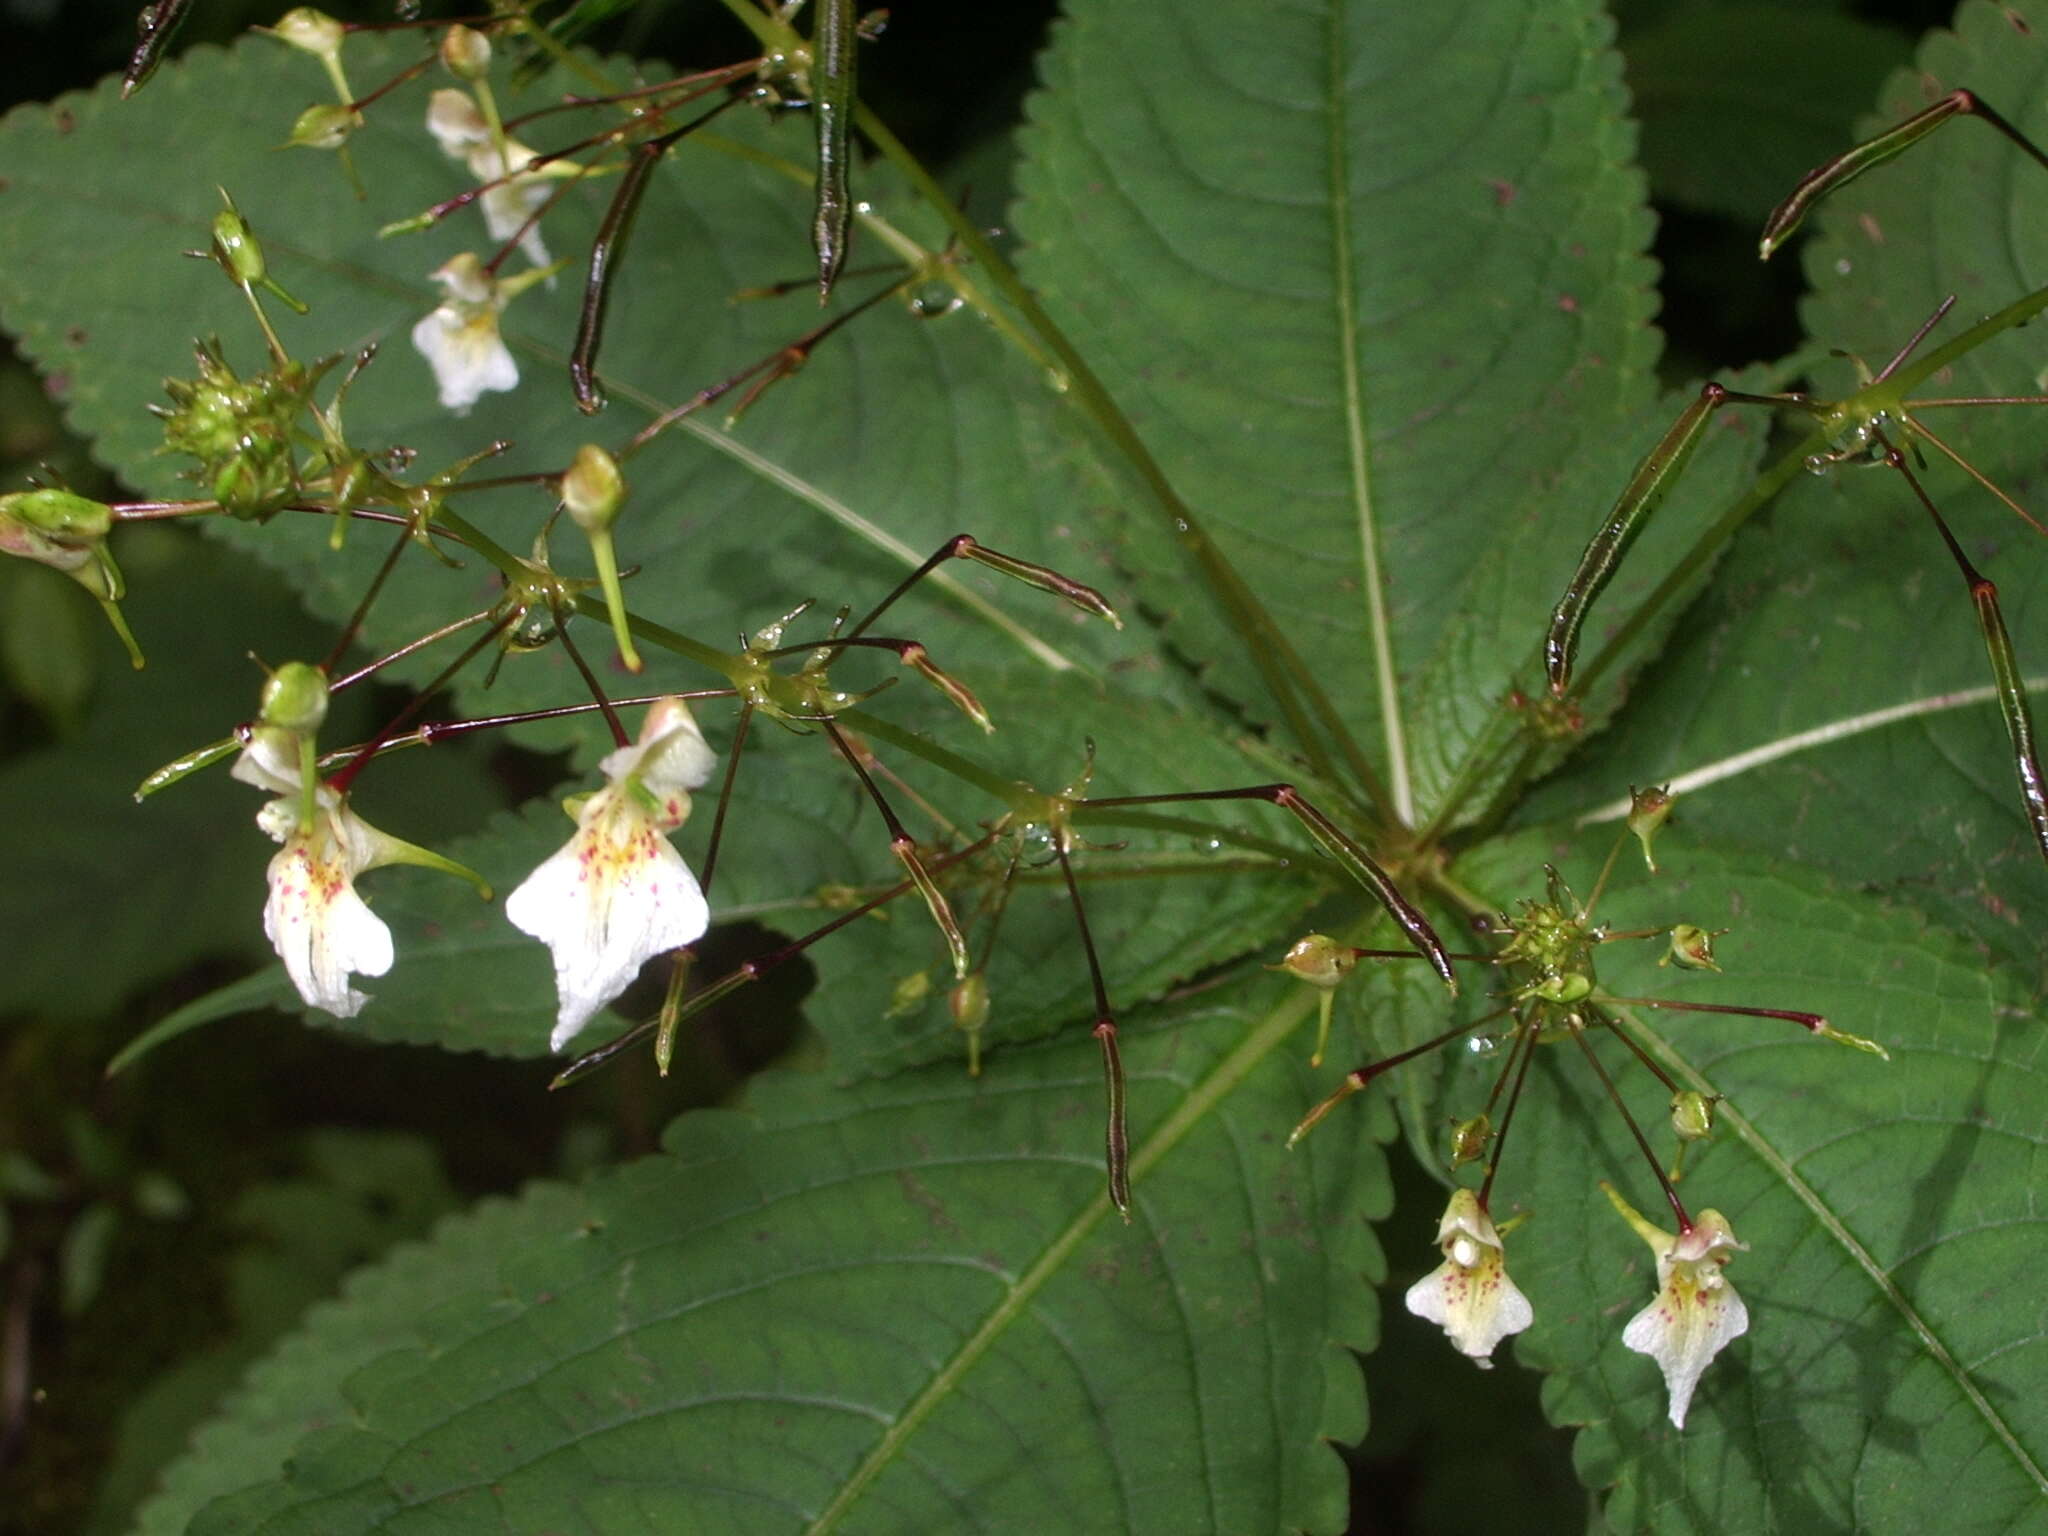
(1469, 1139)
(1692, 1114)
(235, 248)
(593, 490)
(294, 698)
(53, 527)
(325, 127)
(968, 1001)
(1571, 987)
(909, 994)
(1648, 810)
(311, 31)
(466, 52)
(1319, 960)
(1691, 948)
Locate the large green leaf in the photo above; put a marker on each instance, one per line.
(1847, 604)
(1369, 280)
(905, 1307)
(1894, 1240)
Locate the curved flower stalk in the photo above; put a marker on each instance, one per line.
(617, 893)
(1551, 992)
(1470, 1295)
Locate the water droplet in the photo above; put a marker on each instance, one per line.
(1482, 1045)
(1057, 378)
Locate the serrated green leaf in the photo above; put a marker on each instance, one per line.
(1393, 345)
(1848, 607)
(1893, 1244)
(780, 1382)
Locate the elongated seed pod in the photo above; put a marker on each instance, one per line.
(2012, 701)
(155, 25)
(1639, 498)
(832, 71)
(1851, 163)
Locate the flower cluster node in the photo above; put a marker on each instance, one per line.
(240, 430)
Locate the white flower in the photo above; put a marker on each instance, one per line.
(314, 919)
(1696, 1312)
(1470, 1295)
(460, 339)
(618, 893)
(459, 127)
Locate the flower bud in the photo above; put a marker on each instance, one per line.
(326, 127)
(1648, 810)
(1319, 960)
(968, 1001)
(593, 490)
(1469, 1139)
(1692, 1114)
(53, 527)
(294, 698)
(909, 994)
(1570, 987)
(466, 52)
(311, 31)
(1691, 948)
(235, 248)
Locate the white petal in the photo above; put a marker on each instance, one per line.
(319, 925)
(610, 900)
(1682, 1330)
(456, 122)
(468, 356)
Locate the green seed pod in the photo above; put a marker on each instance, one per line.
(1319, 960)
(466, 52)
(1692, 1114)
(968, 1001)
(323, 127)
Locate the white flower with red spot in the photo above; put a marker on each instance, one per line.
(1470, 1295)
(618, 894)
(1696, 1313)
(314, 919)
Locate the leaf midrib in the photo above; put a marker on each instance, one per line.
(1206, 1095)
(1358, 448)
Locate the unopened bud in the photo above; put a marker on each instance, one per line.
(1570, 987)
(466, 52)
(1691, 948)
(1469, 1139)
(1692, 1114)
(235, 247)
(325, 127)
(1319, 960)
(593, 489)
(310, 30)
(53, 527)
(968, 1001)
(294, 698)
(909, 995)
(1648, 810)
